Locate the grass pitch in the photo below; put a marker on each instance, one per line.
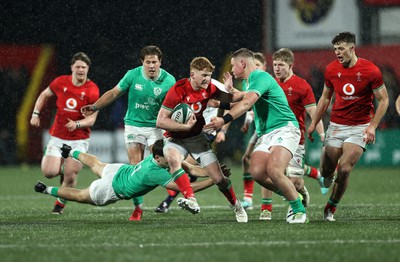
(367, 226)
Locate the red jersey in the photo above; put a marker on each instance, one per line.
(353, 89)
(70, 99)
(300, 96)
(182, 92)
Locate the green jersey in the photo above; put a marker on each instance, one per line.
(271, 111)
(137, 180)
(145, 96)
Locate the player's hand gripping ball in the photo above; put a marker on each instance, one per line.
(181, 113)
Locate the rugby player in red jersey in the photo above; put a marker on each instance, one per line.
(189, 138)
(69, 127)
(355, 82)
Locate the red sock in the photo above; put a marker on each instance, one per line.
(313, 172)
(229, 193)
(183, 183)
(248, 188)
(171, 192)
(330, 207)
(266, 207)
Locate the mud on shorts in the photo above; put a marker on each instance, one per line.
(338, 134)
(198, 147)
(296, 164)
(53, 147)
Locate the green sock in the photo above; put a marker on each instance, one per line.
(332, 202)
(308, 171)
(247, 176)
(52, 191)
(75, 154)
(297, 206)
(137, 200)
(266, 201)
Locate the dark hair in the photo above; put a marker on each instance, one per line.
(158, 148)
(150, 50)
(347, 37)
(243, 52)
(260, 57)
(81, 56)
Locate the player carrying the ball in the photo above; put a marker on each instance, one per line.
(189, 138)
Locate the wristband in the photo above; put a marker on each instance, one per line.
(224, 105)
(35, 113)
(322, 134)
(95, 108)
(78, 124)
(227, 118)
(223, 131)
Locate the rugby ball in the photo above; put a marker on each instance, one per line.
(181, 113)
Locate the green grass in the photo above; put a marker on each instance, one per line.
(367, 226)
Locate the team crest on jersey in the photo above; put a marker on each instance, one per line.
(65, 89)
(82, 95)
(358, 76)
(139, 87)
(157, 91)
(290, 89)
(339, 74)
(204, 95)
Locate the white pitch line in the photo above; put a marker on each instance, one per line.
(207, 244)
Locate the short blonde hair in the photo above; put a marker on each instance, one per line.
(284, 54)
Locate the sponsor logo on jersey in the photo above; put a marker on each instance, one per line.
(141, 106)
(139, 87)
(349, 90)
(157, 91)
(71, 104)
(196, 107)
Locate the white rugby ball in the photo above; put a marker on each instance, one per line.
(181, 113)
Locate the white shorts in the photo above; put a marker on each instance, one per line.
(142, 135)
(253, 138)
(197, 146)
(296, 164)
(287, 136)
(53, 147)
(101, 190)
(337, 134)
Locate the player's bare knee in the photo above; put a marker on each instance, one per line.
(221, 182)
(51, 174)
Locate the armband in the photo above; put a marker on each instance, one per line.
(224, 105)
(227, 118)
